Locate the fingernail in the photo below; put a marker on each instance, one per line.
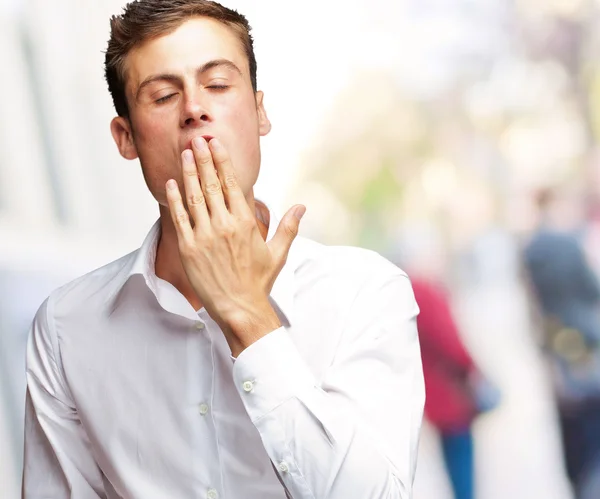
(299, 212)
(215, 145)
(199, 143)
(188, 156)
(171, 184)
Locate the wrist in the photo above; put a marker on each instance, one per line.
(245, 326)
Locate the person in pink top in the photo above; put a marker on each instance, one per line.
(449, 371)
(447, 364)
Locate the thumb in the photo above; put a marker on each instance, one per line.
(286, 232)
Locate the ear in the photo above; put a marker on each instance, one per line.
(122, 134)
(264, 125)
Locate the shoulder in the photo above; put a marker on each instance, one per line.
(348, 269)
(552, 237)
(553, 243)
(349, 261)
(90, 291)
(81, 298)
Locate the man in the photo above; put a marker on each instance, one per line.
(567, 294)
(215, 361)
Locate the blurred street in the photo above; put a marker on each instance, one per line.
(517, 446)
(9, 488)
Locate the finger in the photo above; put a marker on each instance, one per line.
(209, 180)
(194, 196)
(180, 217)
(232, 192)
(285, 234)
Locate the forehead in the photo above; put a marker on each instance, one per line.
(195, 42)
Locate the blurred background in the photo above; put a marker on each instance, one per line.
(459, 138)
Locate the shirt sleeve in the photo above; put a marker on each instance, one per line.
(355, 432)
(58, 462)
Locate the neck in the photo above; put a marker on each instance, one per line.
(168, 264)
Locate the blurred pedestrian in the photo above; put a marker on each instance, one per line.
(456, 391)
(568, 295)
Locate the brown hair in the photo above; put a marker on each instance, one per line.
(144, 20)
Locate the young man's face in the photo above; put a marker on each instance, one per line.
(192, 82)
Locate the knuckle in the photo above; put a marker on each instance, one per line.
(226, 230)
(196, 200)
(217, 157)
(247, 223)
(202, 242)
(291, 230)
(190, 172)
(205, 160)
(213, 188)
(206, 243)
(181, 217)
(230, 180)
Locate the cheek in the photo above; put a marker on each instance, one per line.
(157, 155)
(150, 131)
(245, 121)
(239, 120)
(247, 146)
(155, 141)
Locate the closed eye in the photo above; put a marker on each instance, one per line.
(164, 99)
(218, 87)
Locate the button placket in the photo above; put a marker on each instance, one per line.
(207, 409)
(202, 389)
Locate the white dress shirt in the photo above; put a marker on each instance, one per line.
(133, 394)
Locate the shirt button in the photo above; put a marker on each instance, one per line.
(212, 494)
(199, 325)
(203, 409)
(248, 386)
(283, 467)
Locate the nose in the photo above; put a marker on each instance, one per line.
(195, 111)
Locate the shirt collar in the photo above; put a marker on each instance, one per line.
(282, 293)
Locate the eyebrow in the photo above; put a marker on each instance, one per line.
(175, 78)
